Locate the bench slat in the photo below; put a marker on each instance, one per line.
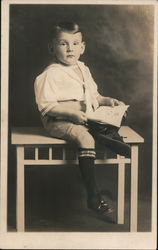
(37, 135)
(36, 153)
(50, 153)
(29, 163)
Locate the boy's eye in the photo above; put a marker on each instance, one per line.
(76, 43)
(62, 43)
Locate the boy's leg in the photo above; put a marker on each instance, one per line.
(87, 168)
(109, 136)
(83, 139)
(86, 144)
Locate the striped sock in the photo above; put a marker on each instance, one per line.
(86, 152)
(87, 168)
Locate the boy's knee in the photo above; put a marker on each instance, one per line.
(86, 141)
(82, 137)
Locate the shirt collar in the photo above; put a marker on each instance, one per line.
(69, 70)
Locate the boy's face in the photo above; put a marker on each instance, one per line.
(68, 47)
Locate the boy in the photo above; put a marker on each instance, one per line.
(65, 94)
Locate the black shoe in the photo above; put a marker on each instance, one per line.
(114, 141)
(102, 208)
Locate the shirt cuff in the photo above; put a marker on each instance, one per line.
(48, 108)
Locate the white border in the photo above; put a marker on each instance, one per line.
(111, 2)
(68, 240)
(154, 156)
(4, 114)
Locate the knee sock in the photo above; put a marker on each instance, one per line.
(86, 165)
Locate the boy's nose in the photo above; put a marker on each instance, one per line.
(70, 47)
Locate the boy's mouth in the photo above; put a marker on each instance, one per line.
(70, 56)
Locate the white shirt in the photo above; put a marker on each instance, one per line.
(60, 83)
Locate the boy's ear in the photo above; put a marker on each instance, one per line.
(83, 46)
(50, 48)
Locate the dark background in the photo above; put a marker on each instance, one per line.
(119, 53)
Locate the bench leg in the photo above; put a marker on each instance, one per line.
(20, 210)
(134, 188)
(121, 192)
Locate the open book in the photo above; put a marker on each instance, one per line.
(109, 115)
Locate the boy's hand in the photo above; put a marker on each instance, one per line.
(70, 114)
(115, 102)
(108, 101)
(78, 117)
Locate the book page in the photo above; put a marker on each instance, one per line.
(110, 115)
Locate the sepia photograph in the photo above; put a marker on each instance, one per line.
(78, 124)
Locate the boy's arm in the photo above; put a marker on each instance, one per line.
(70, 114)
(108, 101)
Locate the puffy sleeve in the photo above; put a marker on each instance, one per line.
(93, 88)
(91, 83)
(45, 93)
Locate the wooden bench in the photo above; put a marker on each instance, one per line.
(35, 137)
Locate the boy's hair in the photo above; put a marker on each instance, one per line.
(70, 27)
